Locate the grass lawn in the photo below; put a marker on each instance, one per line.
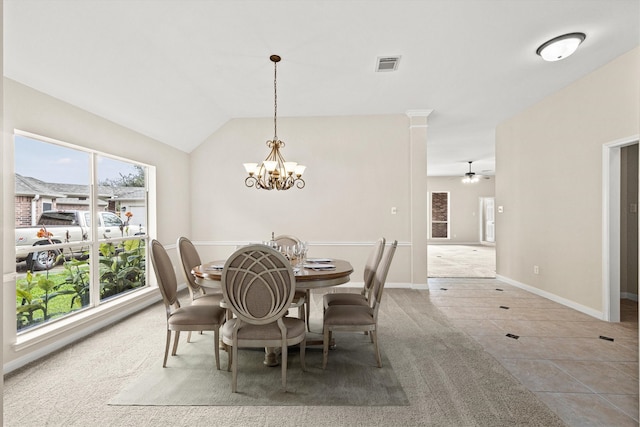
(57, 305)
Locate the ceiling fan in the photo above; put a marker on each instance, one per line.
(470, 177)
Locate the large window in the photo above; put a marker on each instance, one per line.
(440, 215)
(80, 229)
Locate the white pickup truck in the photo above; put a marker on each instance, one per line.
(64, 226)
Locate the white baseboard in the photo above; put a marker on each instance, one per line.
(553, 297)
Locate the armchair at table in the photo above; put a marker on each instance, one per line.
(359, 318)
(347, 298)
(190, 258)
(258, 285)
(204, 317)
(302, 298)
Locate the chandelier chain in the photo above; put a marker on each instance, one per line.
(275, 101)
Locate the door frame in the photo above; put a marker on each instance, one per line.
(611, 168)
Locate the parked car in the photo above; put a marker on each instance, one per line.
(63, 226)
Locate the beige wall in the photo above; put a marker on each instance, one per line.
(464, 205)
(629, 222)
(357, 170)
(549, 181)
(31, 111)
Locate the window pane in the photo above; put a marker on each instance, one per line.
(439, 230)
(122, 263)
(124, 182)
(52, 294)
(49, 178)
(440, 206)
(440, 215)
(122, 267)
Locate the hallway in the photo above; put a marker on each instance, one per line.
(461, 261)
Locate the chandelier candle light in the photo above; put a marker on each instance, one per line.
(274, 172)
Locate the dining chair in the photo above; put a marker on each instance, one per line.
(359, 318)
(190, 258)
(286, 240)
(258, 285)
(302, 298)
(203, 317)
(370, 267)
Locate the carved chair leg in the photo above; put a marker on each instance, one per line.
(166, 348)
(175, 343)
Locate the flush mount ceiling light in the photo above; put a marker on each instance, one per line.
(470, 177)
(560, 47)
(274, 173)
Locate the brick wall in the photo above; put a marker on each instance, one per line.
(23, 211)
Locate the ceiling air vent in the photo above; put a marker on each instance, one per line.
(387, 63)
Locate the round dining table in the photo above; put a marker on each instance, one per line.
(313, 276)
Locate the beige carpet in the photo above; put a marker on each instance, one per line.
(461, 261)
(447, 377)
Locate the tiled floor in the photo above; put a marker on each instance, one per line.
(557, 352)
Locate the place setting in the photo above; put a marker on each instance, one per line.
(319, 264)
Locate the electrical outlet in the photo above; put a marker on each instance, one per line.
(394, 210)
(536, 269)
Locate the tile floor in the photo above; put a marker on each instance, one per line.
(558, 353)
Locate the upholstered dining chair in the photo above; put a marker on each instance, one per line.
(286, 240)
(258, 285)
(302, 298)
(370, 267)
(203, 317)
(359, 318)
(190, 258)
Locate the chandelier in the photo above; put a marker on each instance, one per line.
(470, 177)
(274, 172)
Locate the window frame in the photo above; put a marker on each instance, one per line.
(432, 221)
(97, 306)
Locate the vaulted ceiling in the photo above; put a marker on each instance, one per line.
(177, 70)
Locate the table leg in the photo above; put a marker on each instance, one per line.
(271, 356)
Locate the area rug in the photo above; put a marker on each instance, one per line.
(190, 378)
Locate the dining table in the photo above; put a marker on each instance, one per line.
(314, 273)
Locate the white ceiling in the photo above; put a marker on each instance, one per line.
(177, 70)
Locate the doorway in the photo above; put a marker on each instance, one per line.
(620, 226)
(487, 220)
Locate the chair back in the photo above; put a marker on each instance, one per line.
(381, 275)
(285, 240)
(164, 273)
(189, 258)
(372, 263)
(258, 284)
